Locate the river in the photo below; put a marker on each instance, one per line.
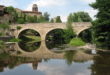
(46, 61)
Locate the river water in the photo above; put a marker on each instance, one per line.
(45, 62)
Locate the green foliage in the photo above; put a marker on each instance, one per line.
(46, 16)
(18, 27)
(12, 12)
(77, 42)
(4, 26)
(69, 56)
(1, 34)
(101, 26)
(86, 35)
(41, 19)
(58, 19)
(1, 44)
(52, 21)
(20, 21)
(69, 32)
(32, 19)
(80, 17)
(15, 40)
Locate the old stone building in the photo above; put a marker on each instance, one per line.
(34, 11)
(4, 17)
(2, 10)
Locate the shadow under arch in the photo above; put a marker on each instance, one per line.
(86, 35)
(30, 40)
(54, 38)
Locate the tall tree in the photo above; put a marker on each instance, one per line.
(81, 17)
(52, 20)
(101, 26)
(58, 19)
(46, 16)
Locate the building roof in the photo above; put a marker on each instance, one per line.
(31, 12)
(2, 7)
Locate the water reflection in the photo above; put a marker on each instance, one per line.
(43, 66)
(47, 62)
(101, 65)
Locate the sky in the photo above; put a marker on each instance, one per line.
(54, 7)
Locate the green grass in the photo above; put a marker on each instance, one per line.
(77, 42)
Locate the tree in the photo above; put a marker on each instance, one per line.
(41, 19)
(81, 17)
(32, 19)
(101, 26)
(58, 19)
(20, 21)
(46, 16)
(52, 21)
(69, 33)
(14, 15)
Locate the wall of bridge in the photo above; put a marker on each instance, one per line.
(44, 28)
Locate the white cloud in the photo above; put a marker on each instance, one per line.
(8, 2)
(64, 18)
(47, 3)
(88, 1)
(92, 13)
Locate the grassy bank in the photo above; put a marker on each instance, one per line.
(77, 42)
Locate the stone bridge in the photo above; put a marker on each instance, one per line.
(44, 28)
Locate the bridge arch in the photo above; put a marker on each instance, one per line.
(30, 40)
(54, 37)
(44, 28)
(85, 35)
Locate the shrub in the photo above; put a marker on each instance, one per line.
(18, 27)
(20, 21)
(77, 42)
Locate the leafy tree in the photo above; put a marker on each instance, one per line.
(46, 16)
(41, 19)
(58, 19)
(12, 12)
(101, 26)
(20, 21)
(32, 19)
(52, 21)
(69, 33)
(80, 17)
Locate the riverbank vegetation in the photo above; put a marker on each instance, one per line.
(73, 39)
(101, 26)
(77, 42)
